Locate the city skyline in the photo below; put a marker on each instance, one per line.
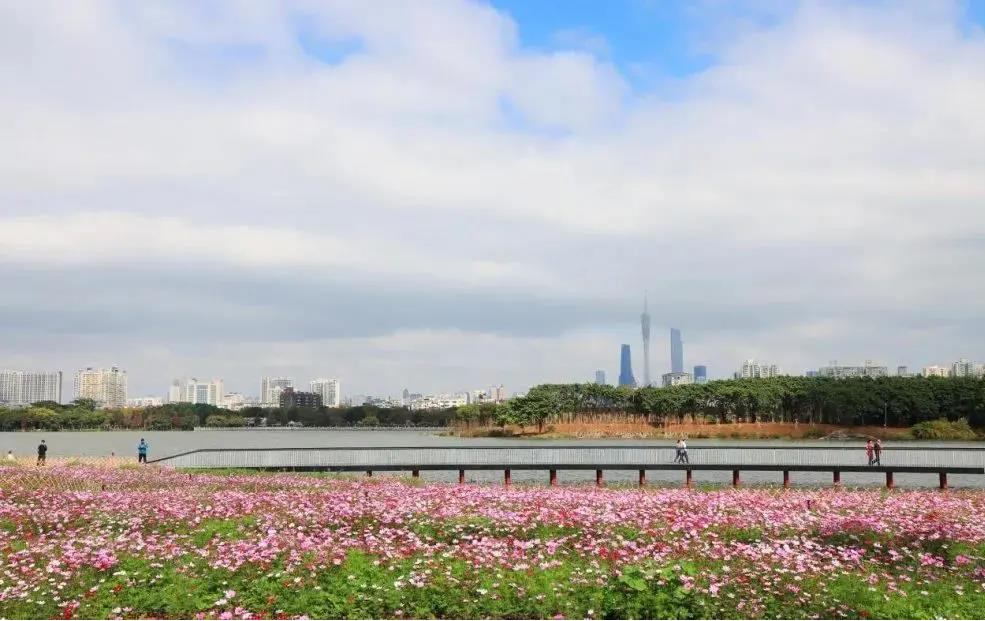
(338, 190)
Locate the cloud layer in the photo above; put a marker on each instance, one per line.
(405, 194)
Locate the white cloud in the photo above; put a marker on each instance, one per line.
(827, 170)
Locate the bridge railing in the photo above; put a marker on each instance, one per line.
(610, 456)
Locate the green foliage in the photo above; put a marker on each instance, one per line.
(943, 429)
(886, 401)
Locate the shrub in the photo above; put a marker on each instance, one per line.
(942, 429)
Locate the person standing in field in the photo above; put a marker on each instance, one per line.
(10, 455)
(868, 450)
(42, 452)
(878, 451)
(142, 451)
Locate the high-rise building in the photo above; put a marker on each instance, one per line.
(752, 369)
(331, 392)
(903, 371)
(869, 369)
(289, 398)
(27, 387)
(965, 368)
(676, 351)
(700, 374)
(676, 379)
(270, 389)
(600, 377)
(194, 390)
(107, 387)
(936, 371)
(626, 368)
(144, 402)
(645, 327)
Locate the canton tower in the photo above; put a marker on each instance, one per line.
(645, 327)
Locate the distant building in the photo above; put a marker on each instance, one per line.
(753, 369)
(836, 371)
(700, 374)
(600, 377)
(811, 374)
(903, 371)
(194, 390)
(626, 368)
(270, 389)
(236, 401)
(330, 391)
(966, 368)
(27, 387)
(935, 371)
(289, 398)
(676, 379)
(676, 351)
(144, 402)
(107, 387)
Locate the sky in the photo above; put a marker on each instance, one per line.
(446, 195)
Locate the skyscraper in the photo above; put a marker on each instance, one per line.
(676, 351)
(600, 377)
(700, 374)
(270, 389)
(107, 387)
(331, 392)
(194, 390)
(626, 368)
(26, 387)
(645, 327)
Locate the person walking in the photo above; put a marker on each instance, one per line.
(868, 450)
(878, 452)
(681, 452)
(42, 453)
(142, 451)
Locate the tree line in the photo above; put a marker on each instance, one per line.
(83, 414)
(888, 401)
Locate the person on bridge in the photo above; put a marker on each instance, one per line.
(142, 451)
(878, 452)
(868, 450)
(681, 452)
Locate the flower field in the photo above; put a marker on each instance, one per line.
(95, 542)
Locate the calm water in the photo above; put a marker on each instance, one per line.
(163, 443)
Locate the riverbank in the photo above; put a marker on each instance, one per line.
(105, 542)
(739, 431)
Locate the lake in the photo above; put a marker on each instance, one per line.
(163, 443)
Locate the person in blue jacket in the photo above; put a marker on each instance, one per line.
(142, 451)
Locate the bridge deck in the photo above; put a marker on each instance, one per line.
(632, 457)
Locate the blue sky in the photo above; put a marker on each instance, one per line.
(450, 199)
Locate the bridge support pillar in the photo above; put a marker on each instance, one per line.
(688, 478)
(461, 477)
(889, 480)
(943, 479)
(786, 478)
(553, 477)
(735, 478)
(642, 477)
(598, 479)
(507, 477)
(836, 477)
(415, 473)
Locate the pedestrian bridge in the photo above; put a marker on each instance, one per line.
(786, 459)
